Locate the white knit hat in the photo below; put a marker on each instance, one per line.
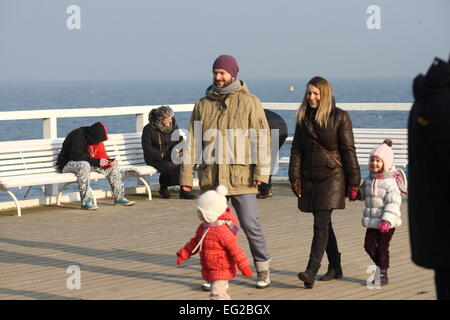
(213, 203)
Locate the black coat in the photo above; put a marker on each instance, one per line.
(277, 122)
(75, 145)
(429, 174)
(157, 147)
(323, 182)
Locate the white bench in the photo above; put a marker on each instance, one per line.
(32, 162)
(367, 139)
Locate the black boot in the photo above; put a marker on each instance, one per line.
(334, 269)
(383, 277)
(187, 195)
(164, 192)
(309, 275)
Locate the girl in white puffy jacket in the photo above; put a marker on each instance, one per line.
(382, 212)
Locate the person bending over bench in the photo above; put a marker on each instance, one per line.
(83, 152)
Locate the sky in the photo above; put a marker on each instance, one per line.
(179, 39)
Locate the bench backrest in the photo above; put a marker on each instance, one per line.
(367, 139)
(23, 157)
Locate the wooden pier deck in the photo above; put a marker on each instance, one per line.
(129, 253)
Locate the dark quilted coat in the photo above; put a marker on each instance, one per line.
(221, 253)
(323, 182)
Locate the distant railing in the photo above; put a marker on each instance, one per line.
(50, 116)
(50, 122)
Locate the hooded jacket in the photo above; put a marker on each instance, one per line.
(158, 146)
(220, 252)
(429, 154)
(84, 144)
(236, 166)
(323, 182)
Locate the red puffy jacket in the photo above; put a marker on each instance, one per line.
(220, 252)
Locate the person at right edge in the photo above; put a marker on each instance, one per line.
(323, 169)
(428, 188)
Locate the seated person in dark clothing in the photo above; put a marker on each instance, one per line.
(160, 150)
(83, 152)
(275, 123)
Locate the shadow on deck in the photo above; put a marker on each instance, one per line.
(129, 253)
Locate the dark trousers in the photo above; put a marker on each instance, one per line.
(324, 239)
(170, 177)
(442, 280)
(376, 244)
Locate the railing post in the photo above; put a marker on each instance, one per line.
(50, 131)
(140, 122)
(49, 128)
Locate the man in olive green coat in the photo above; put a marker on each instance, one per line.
(229, 139)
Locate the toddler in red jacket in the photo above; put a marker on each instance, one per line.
(216, 242)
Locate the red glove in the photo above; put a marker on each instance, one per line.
(247, 271)
(179, 260)
(352, 194)
(384, 226)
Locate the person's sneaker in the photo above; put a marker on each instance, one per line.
(89, 205)
(263, 279)
(123, 202)
(206, 286)
(264, 194)
(187, 194)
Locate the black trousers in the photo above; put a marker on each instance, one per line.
(442, 281)
(170, 177)
(324, 239)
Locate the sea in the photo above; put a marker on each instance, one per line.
(28, 95)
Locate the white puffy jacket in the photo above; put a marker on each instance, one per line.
(383, 200)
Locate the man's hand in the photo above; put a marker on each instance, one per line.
(186, 188)
(257, 182)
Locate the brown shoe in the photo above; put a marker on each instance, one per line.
(265, 194)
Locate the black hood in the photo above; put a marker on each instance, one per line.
(435, 80)
(95, 133)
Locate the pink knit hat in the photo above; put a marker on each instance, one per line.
(385, 153)
(227, 63)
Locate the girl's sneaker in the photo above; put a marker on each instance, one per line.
(89, 205)
(123, 202)
(206, 286)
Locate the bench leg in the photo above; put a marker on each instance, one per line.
(149, 191)
(19, 211)
(145, 183)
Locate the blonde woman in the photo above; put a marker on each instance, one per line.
(323, 169)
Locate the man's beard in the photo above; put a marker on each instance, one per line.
(223, 84)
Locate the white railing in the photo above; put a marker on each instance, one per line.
(50, 116)
(50, 120)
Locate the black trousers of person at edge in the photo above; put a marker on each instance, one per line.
(324, 240)
(442, 281)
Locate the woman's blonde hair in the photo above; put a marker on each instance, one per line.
(325, 103)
